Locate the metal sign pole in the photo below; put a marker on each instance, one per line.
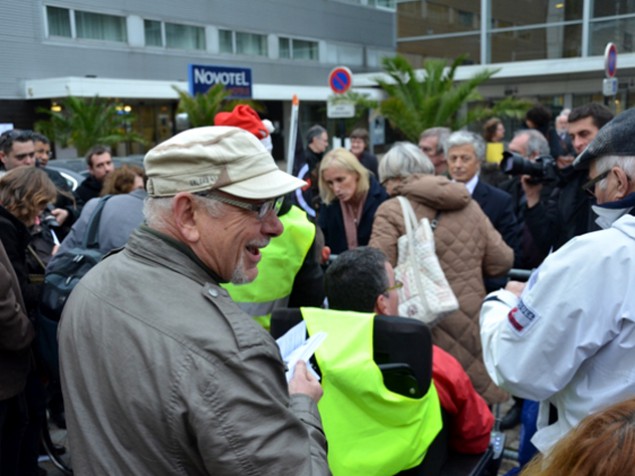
(293, 133)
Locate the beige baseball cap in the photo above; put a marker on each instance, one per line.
(216, 158)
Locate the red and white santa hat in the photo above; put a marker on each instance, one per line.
(246, 118)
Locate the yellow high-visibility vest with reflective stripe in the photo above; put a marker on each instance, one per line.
(281, 260)
(370, 430)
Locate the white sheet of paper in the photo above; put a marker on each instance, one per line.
(294, 346)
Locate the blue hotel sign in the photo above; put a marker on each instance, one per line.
(236, 80)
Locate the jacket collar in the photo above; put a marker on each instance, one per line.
(159, 247)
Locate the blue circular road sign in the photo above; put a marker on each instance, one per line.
(340, 79)
(610, 60)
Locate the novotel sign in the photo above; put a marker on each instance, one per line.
(236, 80)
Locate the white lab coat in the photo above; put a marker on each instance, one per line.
(570, 339)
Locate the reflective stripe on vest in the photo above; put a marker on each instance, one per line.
(370, 430)
(281, 260)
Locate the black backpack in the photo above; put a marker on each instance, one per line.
(69, 266)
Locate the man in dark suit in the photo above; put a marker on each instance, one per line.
(465, 152)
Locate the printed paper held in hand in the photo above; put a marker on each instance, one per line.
(294, 346)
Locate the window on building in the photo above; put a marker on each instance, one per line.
(251, 44)
(242, 43)
(284, 48)
(292, 48)
(184, 37)
(97, 26)
(59, 21)
(152, 30)
(390, 4)
(226, 41)
(465, 18)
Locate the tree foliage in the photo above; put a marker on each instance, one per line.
(85, 122)
(202, 108)
(435, 99)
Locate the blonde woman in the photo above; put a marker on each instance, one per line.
(350, 196)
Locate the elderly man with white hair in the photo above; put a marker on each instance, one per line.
(566, 339)
(162, 372)
(465, 153)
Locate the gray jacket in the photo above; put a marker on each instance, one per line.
(163, 374)
(121, 214)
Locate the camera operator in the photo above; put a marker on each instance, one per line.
(528, 157)
(567, 212)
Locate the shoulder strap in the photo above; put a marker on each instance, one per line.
(435, 221)
(34, 254)
(409, 217)
(90, 239)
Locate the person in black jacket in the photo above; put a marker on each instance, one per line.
(64, 209)
(350, 196)
(24, 192)
(465, 152)
(567, 212)
(360, 142)
(308, 197)
(99, 162)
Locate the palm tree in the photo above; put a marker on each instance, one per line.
(85, 122)
(202, 108)
(436, 99)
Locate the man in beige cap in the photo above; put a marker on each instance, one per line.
(162, 373)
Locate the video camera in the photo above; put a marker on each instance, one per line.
(48, 218)
(542, 170)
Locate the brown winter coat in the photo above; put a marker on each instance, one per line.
(468, 247)
(16, 332)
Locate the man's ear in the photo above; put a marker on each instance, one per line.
(381, 305)
(184, 210)
(623, 187)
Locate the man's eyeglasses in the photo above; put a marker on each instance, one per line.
(398, 285)
(589, 187)
(262, 209)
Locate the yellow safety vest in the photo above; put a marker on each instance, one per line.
(370, 430)
(281, 260)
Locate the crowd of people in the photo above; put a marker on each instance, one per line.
(166, 361)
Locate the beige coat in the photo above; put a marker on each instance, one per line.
(468, 247)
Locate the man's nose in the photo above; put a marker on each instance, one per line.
(271, 225)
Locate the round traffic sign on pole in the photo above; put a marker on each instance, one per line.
(610, 60)
(340, 79)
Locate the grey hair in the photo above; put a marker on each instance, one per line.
(158, 210)
(460, 138)
(441, 133)
(313, 132)
(536, 142)
(404, 159)
(626, 163)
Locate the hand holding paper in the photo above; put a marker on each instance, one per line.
(294, 346)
